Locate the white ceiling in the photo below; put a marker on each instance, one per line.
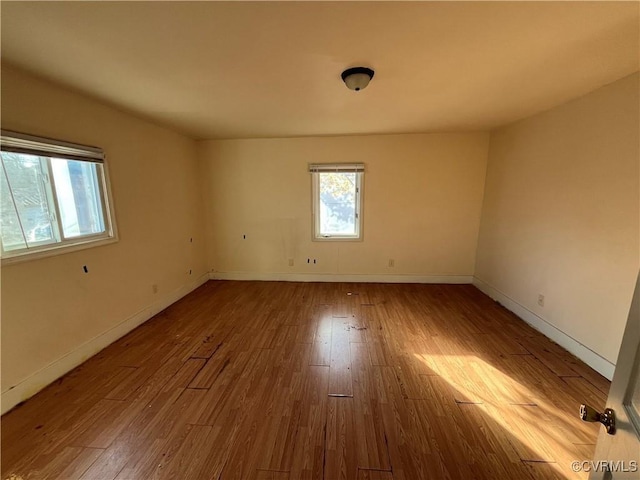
(266, 69)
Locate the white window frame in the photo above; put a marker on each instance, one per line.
(315, 169)
(51, 148)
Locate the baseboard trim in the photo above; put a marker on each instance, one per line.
(348, 278)
(584, 353)
(47, 375)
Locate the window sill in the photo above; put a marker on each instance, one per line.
(56, 250)
(337, 239)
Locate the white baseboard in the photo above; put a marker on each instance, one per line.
(45, 376)
(333, 277)
(584, 353)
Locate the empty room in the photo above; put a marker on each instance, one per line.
(320, 240)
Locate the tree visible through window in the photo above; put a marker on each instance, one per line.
(337, 191)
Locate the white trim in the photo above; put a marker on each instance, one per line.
(339, 277)
(584, 353)
(45, 376)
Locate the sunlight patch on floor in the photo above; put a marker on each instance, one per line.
(537, 430)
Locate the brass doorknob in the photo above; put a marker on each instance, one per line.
(607, 418)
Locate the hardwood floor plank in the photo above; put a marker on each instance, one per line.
(107, 466)
(340, 448)
(210, 344)
(51, 466)
(545, 471)
(365, 474)
(549, 353)
(308, 447)
(322, 319)
(283, 381)
(188, 458)
(340, 381)
(270, 475)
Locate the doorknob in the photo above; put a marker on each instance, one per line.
(608, 418)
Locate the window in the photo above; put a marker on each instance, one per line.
(53, 195)
(337, 205)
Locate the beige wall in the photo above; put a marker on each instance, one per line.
(50, 307)
(422, 202)
(560, 214)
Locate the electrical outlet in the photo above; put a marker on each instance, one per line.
(291, 262)
(154, 288)
(541, 300)
(392, 262)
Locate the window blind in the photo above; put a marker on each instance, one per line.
(336, 167)
(46, 147)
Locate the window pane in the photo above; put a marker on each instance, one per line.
(338, 203)
(12, 237)
(78, 193)
(25, 195)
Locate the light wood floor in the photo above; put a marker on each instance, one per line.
(287, 381)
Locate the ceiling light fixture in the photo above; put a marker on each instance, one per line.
(357, 78)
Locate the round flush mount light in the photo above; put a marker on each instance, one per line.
(357, 78)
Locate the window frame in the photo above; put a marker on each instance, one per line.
(49, 148)
(316, 170)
